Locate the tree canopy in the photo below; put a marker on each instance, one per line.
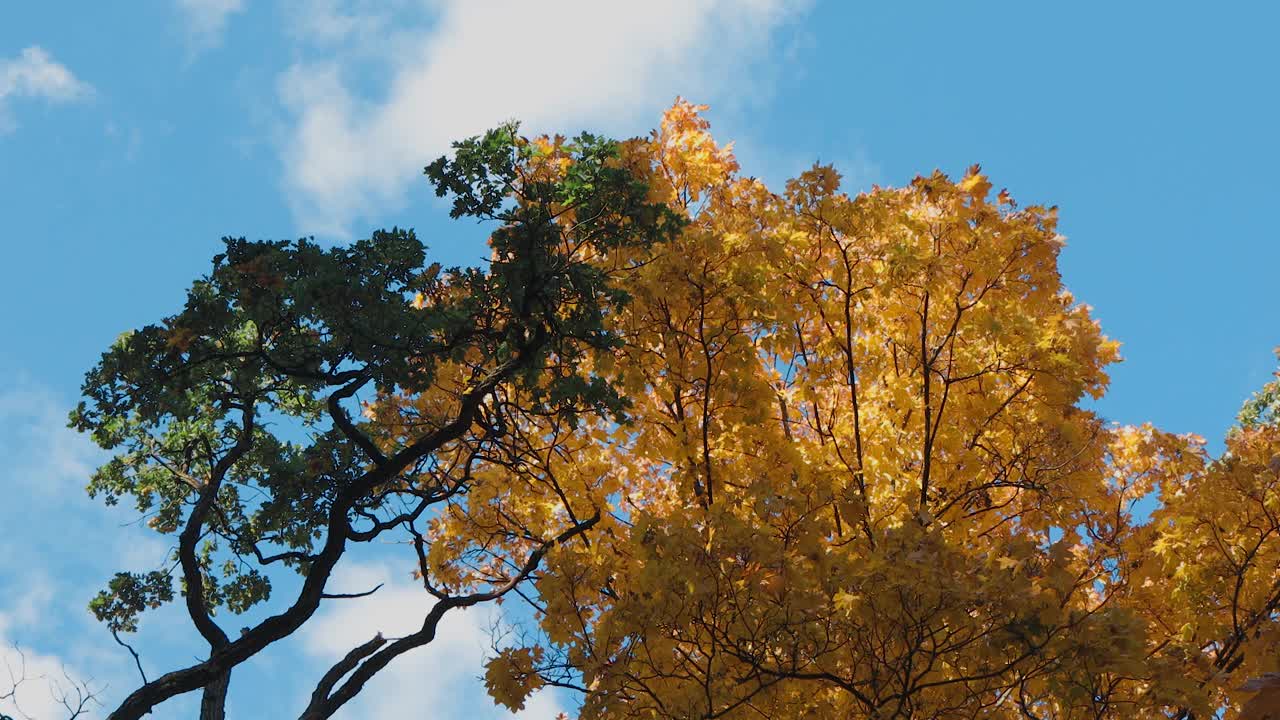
(745, 453)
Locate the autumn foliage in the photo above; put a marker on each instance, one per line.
(783, 453)
(857, 480)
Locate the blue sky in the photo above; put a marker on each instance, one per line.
(134, 135)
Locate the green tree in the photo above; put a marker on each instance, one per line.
(202, 410)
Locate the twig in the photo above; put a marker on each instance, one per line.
(340, 596)
(136, 660)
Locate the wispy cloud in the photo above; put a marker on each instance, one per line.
(456, 67)
(42, 455)
(40, 685)
(129, 140)
(40, 682)
(69, 545)
(35, 74)
(206, 21)
(46, 467)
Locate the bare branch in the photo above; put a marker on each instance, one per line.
(136, 660)
(341, 596)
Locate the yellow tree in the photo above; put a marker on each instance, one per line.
(857, 480)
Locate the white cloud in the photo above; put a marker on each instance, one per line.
(39, 683)
(32, 683)
(44, 463)
(34, 73)
(554, 65)
(443, 676)
(206, 20)
(67, 546)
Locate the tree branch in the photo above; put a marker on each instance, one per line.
(324, 707)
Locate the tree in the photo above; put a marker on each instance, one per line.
(233, 422)
(858, 481)
(746, 454)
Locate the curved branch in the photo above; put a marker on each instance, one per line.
(348, 428)
(324, 707)
(345, 596)
(197, 607)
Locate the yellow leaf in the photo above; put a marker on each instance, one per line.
(975, 183)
